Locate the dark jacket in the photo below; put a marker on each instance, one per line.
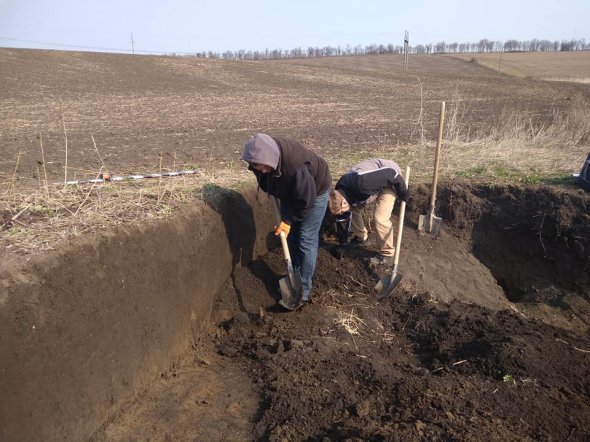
(299, 178)
(366, 179)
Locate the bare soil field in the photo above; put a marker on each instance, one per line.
(554, 66)
(199, 112)
(487, 337)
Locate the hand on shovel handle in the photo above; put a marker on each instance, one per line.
(283, 228)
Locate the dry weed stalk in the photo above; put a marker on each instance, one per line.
(420, 119)
(63, 121)
(160, 178)
(11, 186)
(455, 111)
(45, 183)
(98, 153)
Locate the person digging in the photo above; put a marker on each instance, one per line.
(301, 181)
(372, 180)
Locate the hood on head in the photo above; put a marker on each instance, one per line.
(262, 149)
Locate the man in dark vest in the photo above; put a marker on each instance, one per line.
(370, 180)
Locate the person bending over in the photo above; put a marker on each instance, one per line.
(370, 180)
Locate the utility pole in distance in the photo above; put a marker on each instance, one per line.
(406, 44)
(132, 45)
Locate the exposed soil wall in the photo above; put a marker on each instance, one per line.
(533, 239)
(86, 328)
(86, 334)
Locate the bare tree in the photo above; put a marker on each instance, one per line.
(511, 45)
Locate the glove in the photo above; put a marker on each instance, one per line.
(283, 227)
(338, 252)
(404, 195)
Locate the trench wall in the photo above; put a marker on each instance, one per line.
(84, 329)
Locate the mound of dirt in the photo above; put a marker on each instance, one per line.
(447, 357)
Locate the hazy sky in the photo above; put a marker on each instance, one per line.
(185, 26)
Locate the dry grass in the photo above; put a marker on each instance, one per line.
(46, 218)
(515, 149)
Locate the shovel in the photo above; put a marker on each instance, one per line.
(290, 286)
(388, 283)
(430, 222)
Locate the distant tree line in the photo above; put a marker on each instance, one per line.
(442, 47)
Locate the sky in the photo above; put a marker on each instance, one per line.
(185, 26)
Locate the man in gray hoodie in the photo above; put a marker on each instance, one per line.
(300, 179)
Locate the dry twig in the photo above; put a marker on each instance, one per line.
(573, 346)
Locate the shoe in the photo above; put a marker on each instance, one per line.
(293, 306)
(356, 242)
(338, 252)
(381, 260)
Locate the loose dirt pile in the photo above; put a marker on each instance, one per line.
(447, 357)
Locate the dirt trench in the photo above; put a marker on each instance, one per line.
(87, 328)
(172, 332)
(486, 338)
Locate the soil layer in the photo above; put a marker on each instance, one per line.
(447, 357)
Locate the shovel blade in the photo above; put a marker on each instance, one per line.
(432, 228)
(386, 285)
(291, 287)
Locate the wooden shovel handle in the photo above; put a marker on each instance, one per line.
(436, 158)
(282, 235)
(400, 225)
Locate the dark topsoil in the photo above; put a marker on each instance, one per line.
(447, 357)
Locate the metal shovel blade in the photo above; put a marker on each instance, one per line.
(430, 227)
(386, 285)
(291, 288)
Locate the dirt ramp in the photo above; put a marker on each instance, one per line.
(449, 272)
(86, 328)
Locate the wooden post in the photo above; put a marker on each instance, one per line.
(406, 47)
